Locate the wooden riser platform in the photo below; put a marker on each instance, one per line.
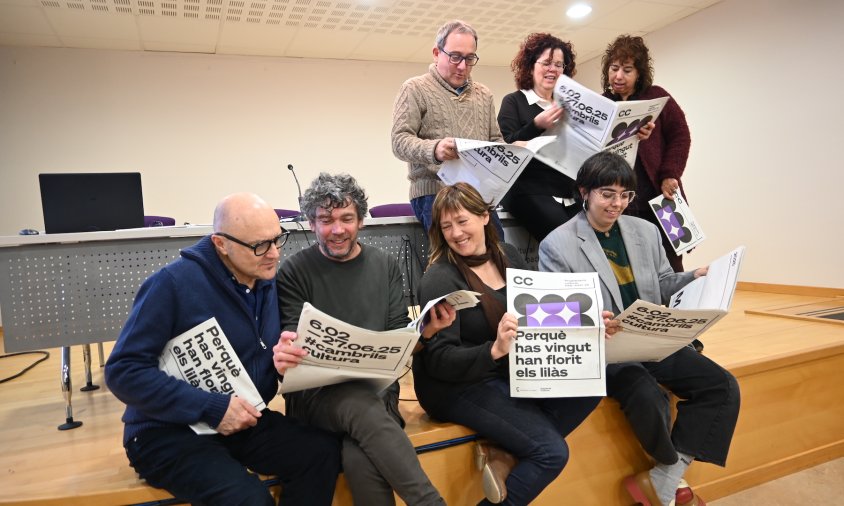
(791, 374)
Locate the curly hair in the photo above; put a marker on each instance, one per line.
(627, 47)
(452, 199)
(529, 52)
(331, 192)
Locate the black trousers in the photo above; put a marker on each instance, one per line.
(707, 409)
(539, 214)
(212, 469)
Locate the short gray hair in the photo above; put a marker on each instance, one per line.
(455, 26)
(332, 191)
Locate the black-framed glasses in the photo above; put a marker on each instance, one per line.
(455, 59)
(260, 248)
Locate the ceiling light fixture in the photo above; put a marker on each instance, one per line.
(578, 11)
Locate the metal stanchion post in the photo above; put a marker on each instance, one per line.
(67, 390)
(86, 356)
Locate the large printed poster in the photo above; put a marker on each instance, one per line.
(559, 349)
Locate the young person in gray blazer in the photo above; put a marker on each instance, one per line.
(628, 256)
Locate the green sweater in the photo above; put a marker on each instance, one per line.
(428, 109)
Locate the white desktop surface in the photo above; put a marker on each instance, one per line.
(158, 232)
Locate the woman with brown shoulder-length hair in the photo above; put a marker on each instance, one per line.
(462, 374)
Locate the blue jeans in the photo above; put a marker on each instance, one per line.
(212, 469)
(706, 412)
(422, 209)
(533, 430)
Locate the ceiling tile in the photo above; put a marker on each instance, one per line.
(69, 23)
(23, 19)
(261, 40)
(392, 47)
(319, 43)
(635, 16)
(159, 33)
(386, 30)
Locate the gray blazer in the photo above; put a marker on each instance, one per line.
(573, 247)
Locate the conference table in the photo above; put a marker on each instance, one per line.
(61, 290)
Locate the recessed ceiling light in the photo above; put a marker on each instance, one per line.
(578, 11)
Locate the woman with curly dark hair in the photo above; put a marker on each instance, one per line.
(628, 75)
(530, 112)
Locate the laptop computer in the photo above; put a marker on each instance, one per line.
(91, 202)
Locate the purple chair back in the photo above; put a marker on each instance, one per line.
(389, 210)
(286, 213)
(159, 221)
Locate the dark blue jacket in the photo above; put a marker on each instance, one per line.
(175, 299)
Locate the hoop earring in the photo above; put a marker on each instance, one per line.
(584, 205)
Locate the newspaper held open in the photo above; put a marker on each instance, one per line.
(340, 352)
(650, 332)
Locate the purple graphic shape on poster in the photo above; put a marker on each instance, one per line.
(553, 314)
(670, 223)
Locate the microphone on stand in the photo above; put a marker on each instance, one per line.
(299, 188)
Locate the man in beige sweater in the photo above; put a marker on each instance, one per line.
(434, 108)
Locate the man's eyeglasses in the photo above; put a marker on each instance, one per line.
(455, 59)
(260, 248)
(561, 66)
(610, 195)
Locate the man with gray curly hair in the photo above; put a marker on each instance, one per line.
(360, 285)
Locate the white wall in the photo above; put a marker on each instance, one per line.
(197, 126)
(757, 83)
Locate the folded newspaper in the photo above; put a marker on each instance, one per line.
(204, 357)
(491, 167)
(677, 222)
(339, 352)
(458, 299)
(650, 332)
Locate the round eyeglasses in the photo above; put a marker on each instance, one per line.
(610, 196)
(455, 59)
(260, 248)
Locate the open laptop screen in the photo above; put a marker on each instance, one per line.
(91, 202)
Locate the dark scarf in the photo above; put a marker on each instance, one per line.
(492, 308)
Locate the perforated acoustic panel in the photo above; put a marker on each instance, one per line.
(61, 294)
(55, 295)
(402, 17)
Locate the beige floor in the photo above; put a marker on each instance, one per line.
(822, 484)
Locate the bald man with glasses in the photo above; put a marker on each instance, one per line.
(228, 275)
(433, 109)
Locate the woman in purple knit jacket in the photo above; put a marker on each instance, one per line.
(628, 75)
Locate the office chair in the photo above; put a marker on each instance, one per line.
(286, 213)
(159, 221)
(390, 210)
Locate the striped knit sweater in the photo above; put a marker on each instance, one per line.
(428, 109)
